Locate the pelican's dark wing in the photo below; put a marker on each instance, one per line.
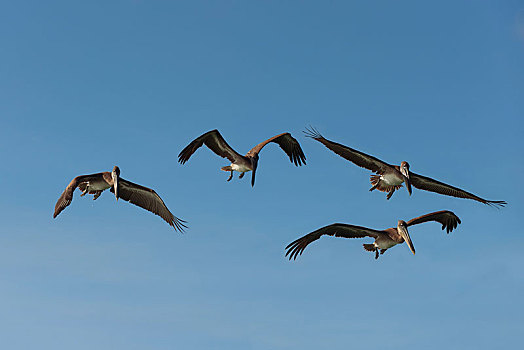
(288, 143)
(149, 200)
(67, 196)
(361, 159)
(337, 230)
(428, 184)
(447, 218)
(215, 142)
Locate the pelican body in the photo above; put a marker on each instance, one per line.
(389, 238)
(384, 239)
(97, 183)
(389, 178)
(242, 165)
(239, 163)
(136, 194)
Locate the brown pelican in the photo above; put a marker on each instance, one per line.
(139, 195)
(389, 178)
(384, 239)
(215, 142)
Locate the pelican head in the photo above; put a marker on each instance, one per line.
(404, 170)
(402, 229)
(115, 174)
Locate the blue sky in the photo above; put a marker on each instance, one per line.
(88, 85)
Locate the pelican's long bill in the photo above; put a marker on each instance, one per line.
(403, 231)
(407, 181)
(254, 164)
(115, 183)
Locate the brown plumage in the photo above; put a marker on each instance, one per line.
(215, 142)
(381, 186)
(391, 177)
(384, 239)
(432, 185)
(141, 196)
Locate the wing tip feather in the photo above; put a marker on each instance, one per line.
(312, 133)
(496, 204)
(178, 224)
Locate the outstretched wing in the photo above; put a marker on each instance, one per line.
(215, 142)
(361, 159)
(288, 143)
(296, 248)
(149, 200)
(429, 184)
(67, 196)
(447, 218)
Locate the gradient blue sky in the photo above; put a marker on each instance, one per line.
(88, 85)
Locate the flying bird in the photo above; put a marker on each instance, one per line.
(389, 178)
(384, 239)
(215, 142)
(138, 195)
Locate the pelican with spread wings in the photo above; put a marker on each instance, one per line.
(215, 142)
(138, 195)
(384, 239)
(389, 178)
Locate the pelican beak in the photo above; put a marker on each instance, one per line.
(407, 181)
(115, 184)
(254, 164)
(405, 234)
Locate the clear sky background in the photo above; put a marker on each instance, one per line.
(85, 86)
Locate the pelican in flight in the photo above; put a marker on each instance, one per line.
(389, 178)
(138, 195)
(215, 142)
(384, 239)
